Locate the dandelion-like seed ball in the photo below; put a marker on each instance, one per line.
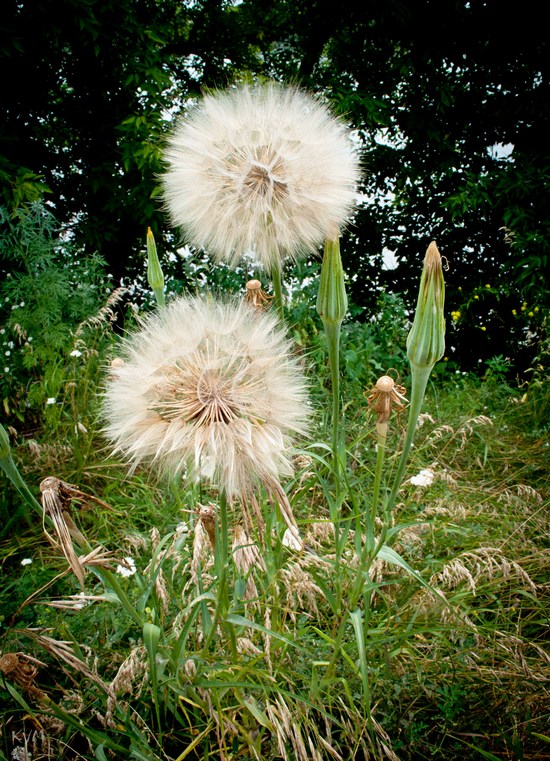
(266, 170)
(210, 389)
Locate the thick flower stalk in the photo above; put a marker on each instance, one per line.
(425, 346)
(265, 170)
(208, 389)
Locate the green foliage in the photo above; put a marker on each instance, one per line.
(256, 659)
(453, 130)
(47, 291)
(437, 674)
(376, 344)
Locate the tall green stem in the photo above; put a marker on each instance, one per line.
(380, 456)
(221, 566)
(277, 280)
(332, 331)
(419, 376)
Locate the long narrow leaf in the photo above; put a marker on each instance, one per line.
(394, 558)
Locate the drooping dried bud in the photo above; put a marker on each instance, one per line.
(332, 301)
(426, 340)
(18, 668)
(383, 398)
(207, 516)
(155, 276)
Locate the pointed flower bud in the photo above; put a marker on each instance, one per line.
(332, 301)
(155, 276)
(426, 340)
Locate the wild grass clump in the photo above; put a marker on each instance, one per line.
(375, 590)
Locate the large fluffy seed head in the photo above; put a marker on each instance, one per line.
(264, 169)
(211, 389)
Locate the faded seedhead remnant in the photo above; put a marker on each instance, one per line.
(383, 398)
(256, 296)
(57, 498)
(208, 389)
(263, 169)
(19, 668)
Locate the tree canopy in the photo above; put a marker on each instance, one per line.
(449, 101)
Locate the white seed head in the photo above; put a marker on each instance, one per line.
(211, 389)
(265, 169)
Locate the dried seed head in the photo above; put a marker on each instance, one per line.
(207, 516)
(209, 388)
(17, 667)
(266, 169)
(383, 398)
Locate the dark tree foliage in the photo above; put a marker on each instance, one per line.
(440, 93)
(87, 100)
(450, 100)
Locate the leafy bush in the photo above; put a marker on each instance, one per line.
(48, 288)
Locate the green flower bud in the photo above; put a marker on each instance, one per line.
(5, 448)
(155, 276)
(332, 301)
(426, 340)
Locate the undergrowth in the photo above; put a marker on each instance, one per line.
(459, 673)
(163, 652)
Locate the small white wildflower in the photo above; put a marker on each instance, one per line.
(128, 569)
(50, 400)
(424, 478)
(76, 353)
(6, 369)
(26, 561)
(21, 754)
(81, 600)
